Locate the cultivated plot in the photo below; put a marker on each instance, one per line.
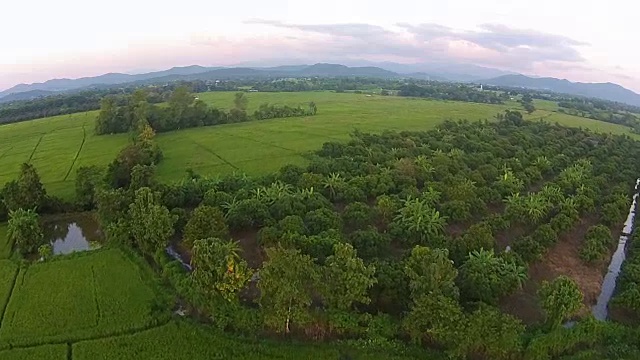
(84, 296)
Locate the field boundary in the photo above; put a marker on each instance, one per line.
(95, 295)
(266, 143)
(6, 303)
(6, 152)
(35, 148)
(75, 158)
(128, 332)
(216, 155)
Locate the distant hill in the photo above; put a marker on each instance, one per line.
(60, 85)
(607, 91)
(27, 95)
(195, 72)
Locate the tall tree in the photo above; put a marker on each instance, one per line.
(205, 222)
(286, 283)
(24, 230)
(431, 272)
(560, 299)
(27, 192)
(151, 223)
(88, 178)
(346, 278)
(218, 268)
(487, 277)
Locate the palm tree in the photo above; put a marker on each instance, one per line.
(431, 196)
(536, 207)
(552, 193)
(333, 182)
(417, 217)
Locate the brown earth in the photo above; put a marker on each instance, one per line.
(561, 259)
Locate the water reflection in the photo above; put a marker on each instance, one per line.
(600, 310)
(72, 232)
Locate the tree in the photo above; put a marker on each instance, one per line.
(27, 192)
(142, 176)
(218, 268)
(435, 318)
(205, 222)
(486, 277)
(559, 299)
(151, 223)
(286, 283)
(417, 220)
(88, 178)
(492, 334)
(431, 272)
(240, 101)
(24, 230)
(346, 278)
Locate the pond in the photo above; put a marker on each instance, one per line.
(72, 232)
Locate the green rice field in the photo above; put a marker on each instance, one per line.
(57, 146)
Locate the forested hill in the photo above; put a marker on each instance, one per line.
(199, 73)
(607, 91)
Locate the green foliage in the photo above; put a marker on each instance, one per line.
(493, 334)
(24, 230)
(357, 215)
(25, 193)
(435, 318)
(346, 278)
(218, 268)
(45, 251)
(596, 244)
(205, 222)
(321, 220)
(286, 283)
(487, 277)
(559, 299)
(88, 178)
(431, 272)
(151, 224)
(419, 222)
(370, 243)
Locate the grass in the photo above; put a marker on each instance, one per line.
(88, 295)
(183, 340)
(57, 146)
(44, 352)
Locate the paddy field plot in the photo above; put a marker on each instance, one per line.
(89, 295)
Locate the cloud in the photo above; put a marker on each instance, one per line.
(491, 44)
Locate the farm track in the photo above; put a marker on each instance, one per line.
(216, 155)
(84, 138)
(35, 148)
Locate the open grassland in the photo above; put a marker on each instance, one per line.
(78, 297)
(57, 146)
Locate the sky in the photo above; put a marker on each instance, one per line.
(590, 41)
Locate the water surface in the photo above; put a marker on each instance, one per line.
(72, 232)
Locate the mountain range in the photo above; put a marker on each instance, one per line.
(426, 71)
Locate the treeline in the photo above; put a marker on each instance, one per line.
(449, 91)
(184, 110)
(87, 100)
